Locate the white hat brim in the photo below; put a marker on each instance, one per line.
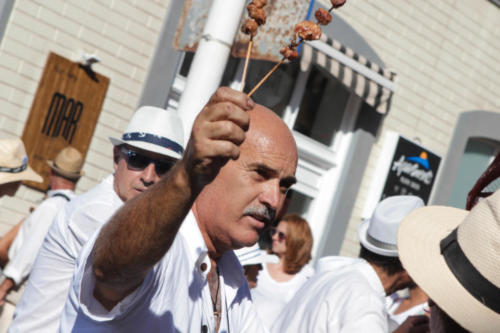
(262, 259)
(27, 175)
(146, 146)
(362, 234)
(419, 238)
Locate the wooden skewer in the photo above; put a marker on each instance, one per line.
(271, 71)
(247, 58)
(266, 77)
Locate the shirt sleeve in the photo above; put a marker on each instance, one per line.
(29, 240)
(84, 308)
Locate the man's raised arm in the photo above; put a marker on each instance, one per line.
(142, 231)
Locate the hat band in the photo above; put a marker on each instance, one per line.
(154, 139)
(468, 276)
(67, 171)
(14, 170)
(380, 244)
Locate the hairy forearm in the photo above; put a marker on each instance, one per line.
(140, 233)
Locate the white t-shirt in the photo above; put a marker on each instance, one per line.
(174, 296)
(345, 295)
(40, 307)
(270, 296)
(29, 239)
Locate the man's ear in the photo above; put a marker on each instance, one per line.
(404, 276)
(116, 156)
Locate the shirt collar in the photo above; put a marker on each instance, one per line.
(51, 193)
(196, 244)
(373, 279)
(228, 264)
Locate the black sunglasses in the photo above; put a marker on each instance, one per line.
(137, 161)
(281, 234)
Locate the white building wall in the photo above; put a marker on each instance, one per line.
(446, 56)
(123, 34)
(445, 53)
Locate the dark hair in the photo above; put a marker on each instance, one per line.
(299, 243)
(390, 265)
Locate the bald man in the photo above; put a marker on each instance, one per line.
(165, 260)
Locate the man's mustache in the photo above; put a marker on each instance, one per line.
(262, 213)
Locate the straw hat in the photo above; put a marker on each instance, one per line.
(452, 270)
(379, 233)
(253, 255)
(156, 130)
(68, 163)
(14, 163)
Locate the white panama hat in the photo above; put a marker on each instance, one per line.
(14, 163)
(154, 129)
(454, 256)
(253, 255)
(379, 233)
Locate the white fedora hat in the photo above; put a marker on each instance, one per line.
(253, 255)
(379, 233)
(156, 130)
(454, 256)
(14, 163)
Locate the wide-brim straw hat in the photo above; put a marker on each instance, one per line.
(421, 242)
(14, 163)
(379, 233)
(156, 130)
(68, 163)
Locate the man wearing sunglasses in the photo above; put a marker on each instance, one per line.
(164, 262)
(147, 150)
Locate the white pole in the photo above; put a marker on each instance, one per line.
(210, 59)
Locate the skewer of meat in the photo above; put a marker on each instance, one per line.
(305, 30)
(257, 17)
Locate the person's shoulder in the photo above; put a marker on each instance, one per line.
(50, 203)
(307, 271)
(343, 271)
(103, 194)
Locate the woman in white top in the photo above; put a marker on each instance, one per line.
(278, 282)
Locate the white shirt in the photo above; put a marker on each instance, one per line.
(392, 304)
(29, 239)
(345, 295)
(174, 296)
(46, 291)
(270, 296)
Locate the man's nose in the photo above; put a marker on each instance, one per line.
(149, 176)
(271, 195)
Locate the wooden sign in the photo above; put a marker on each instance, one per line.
(64, 113)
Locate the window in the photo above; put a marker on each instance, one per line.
(477, 156)
(276, 92)
(322, 107)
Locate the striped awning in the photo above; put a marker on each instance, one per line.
(365, 78)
